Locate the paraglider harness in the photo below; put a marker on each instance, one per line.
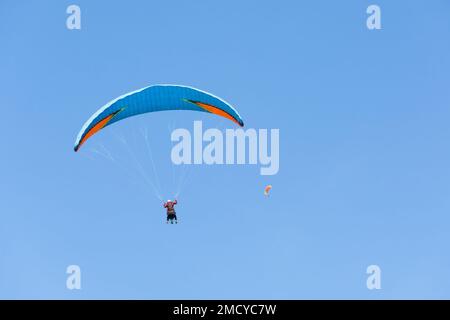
(171, 213)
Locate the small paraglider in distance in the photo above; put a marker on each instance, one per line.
(267, 190)
(171, 213)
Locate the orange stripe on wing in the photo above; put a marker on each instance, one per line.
(216, 110)
(100, 125)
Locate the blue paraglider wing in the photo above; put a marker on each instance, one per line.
(155, 98)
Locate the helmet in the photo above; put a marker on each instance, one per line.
(169, 200)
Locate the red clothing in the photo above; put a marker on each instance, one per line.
(170, 206)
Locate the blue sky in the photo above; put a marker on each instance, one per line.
(364, 158)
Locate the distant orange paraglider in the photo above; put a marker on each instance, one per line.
(267, 189)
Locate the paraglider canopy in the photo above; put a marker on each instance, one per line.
(267, 190)
(152, 99)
